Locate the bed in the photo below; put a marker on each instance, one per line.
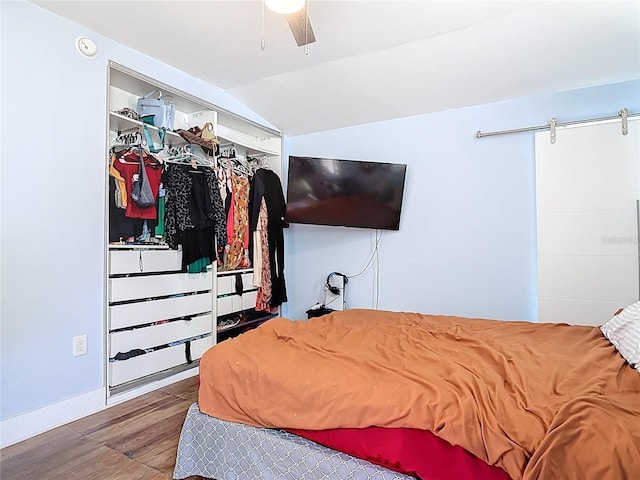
(401, 395)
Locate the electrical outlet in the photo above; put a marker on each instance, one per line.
(79, 345)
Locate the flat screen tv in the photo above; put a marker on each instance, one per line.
(348, 193)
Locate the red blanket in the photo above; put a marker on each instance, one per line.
(407, 450)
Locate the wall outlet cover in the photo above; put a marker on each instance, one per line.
(80, 345)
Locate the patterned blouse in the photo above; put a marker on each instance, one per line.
(238, 256)
(178, 182)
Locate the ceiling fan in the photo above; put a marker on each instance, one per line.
(297, 18)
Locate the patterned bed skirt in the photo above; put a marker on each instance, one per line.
(221, 450)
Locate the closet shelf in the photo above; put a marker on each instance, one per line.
(221, 273)
(137, 247)
(120, 123)
(246, 323)
(254, 145)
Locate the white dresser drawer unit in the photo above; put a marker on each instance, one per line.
(134, 368)
(236, 303)
(132, 288)
(227, 283)
(140, 313)
(148, 297)
(159, 334)
(144, 261)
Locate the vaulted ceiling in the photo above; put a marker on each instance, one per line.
(377, 60)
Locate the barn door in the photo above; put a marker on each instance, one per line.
(587, 191)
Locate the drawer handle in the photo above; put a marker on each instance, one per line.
(239, 284)
(187, 351)
(141, 262)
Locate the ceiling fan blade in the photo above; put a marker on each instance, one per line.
(297, 22)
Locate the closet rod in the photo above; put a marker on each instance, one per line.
(621, 114)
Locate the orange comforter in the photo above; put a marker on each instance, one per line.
(541, 401)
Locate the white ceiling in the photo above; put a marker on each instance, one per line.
(377, 60)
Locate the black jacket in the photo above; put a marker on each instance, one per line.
(266, 184)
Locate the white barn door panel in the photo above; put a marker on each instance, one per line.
(587, 188)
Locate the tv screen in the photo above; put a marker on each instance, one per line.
(349, 193)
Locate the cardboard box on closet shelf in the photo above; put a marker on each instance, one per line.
(185, 121)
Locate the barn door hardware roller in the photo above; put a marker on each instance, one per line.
(624, 113)
(552, 130)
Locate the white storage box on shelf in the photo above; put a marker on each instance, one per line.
(185, 121)
(201, 118)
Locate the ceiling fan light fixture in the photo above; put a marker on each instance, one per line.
(285, 7)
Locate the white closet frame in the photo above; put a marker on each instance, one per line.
(144, 284)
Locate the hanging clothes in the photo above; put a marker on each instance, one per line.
(266, 185)
(121, 227)
(226, 193)
(120, 185)
(125, 227)
(238, 256)
(194, 215)
(261, 265)
(222, 182)
(128, 165)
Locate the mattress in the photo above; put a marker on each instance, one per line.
(531, 399)
(213, 448)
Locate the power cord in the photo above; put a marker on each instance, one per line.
(374, 254)
(330, 301)
(377, 279)
(376, 286)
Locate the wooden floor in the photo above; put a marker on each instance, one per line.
(136, 440)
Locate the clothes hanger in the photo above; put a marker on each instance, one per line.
(229, 159)
(148, 158)
(185, 156)
(234, 165)
(229, 152)
(120, 156)
(125, 143)
(258, 162)
(128, 139)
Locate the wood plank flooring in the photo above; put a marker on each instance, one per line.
(136, 440)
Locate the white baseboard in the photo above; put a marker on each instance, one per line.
(27, 425)
(30, 424)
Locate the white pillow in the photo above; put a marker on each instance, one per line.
(623, 330)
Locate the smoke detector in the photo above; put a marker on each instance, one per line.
(86, 47)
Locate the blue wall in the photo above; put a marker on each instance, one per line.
(53, 162)
(467, 239)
